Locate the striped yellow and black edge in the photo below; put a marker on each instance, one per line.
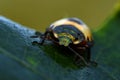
(78, 24)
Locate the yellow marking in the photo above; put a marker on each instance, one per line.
(76, 42)
(83, 28)
(56, 35)
(68, 35)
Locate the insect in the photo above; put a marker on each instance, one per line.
(71, 33)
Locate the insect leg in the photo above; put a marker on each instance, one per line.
(89, 57)
(79, 56)
(39, 35)
(88, 54)
(43, 37)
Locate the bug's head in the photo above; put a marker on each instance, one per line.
(65, 39)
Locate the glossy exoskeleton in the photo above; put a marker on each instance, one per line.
(71, 33)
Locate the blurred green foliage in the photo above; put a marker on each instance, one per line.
(39, 14)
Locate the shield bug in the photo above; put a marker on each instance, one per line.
(71, 33)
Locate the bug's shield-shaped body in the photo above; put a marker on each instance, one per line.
(73, 24)
(71, 33)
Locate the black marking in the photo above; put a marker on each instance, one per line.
(76, 20)
(70, 30)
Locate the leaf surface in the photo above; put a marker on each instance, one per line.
(20, 60)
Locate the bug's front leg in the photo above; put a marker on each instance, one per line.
(40, 35)
(37, 34)
(43, 37)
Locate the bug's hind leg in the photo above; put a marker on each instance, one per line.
(77, 60)
(93, 63)
(80, 57)
(88, 54)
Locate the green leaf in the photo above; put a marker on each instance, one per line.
(20, 60)
(107, 47)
